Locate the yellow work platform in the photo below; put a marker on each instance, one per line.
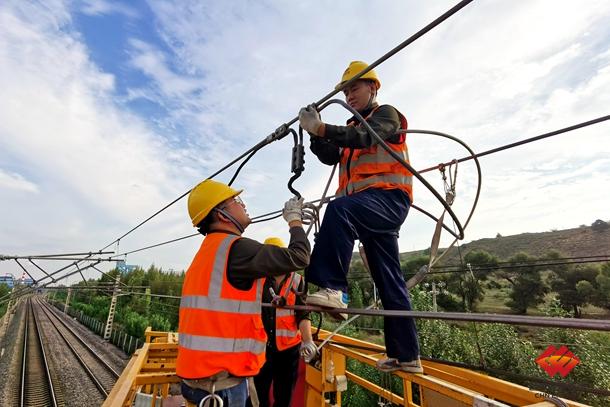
(148, 377)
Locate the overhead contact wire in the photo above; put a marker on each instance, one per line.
(282, 130)
(525, 141)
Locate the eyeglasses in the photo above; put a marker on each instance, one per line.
(235, 199)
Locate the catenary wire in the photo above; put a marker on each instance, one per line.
(282, 130)
(526, 141)
(417, 35)
(492, 151)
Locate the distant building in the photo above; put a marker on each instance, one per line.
(8, 279)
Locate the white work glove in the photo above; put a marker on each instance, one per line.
(293, 209)
(309, 119)
(308, 351)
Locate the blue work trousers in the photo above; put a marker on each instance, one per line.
(374, 217)
(235, 396)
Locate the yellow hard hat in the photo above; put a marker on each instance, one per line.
(205, 196)
(276, 241)
(354, 68)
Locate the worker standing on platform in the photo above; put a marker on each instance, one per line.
(373, 199)
(288, 337)
(221, 336)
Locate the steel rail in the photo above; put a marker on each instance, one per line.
(77, 336)
(24, 358)
(100, 386)
(37, 387)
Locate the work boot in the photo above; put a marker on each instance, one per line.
(392, 365)
(329, 298)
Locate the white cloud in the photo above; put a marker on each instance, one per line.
(99, 168)
(494, 73)
(11, 180)
(154, 64)
(101, 7)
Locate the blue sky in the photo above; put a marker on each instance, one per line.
(110, 110)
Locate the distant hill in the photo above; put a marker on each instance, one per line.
(581, 241)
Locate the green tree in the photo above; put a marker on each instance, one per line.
(355, 299)
(412, 264)
(527, 288)
(467, 285)
(601, 296)
(566, 283)
(481, 261)
(591, 348)
(599, 226)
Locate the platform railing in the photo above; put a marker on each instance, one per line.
(152, 370)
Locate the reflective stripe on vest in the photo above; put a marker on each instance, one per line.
(213, 304)
(282, 312)
(287, 332)
(374, 167)
(220, 326)
(215, 344)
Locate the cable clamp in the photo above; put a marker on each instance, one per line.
(279, 133)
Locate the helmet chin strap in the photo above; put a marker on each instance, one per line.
(372, 98)
(232, 219)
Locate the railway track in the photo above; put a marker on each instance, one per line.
(97, 368)
(37, 384)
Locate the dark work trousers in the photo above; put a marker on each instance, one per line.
(235, 396)
(281, 368)
(373, 216)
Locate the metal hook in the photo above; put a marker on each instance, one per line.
(298, 160)
(212, 397)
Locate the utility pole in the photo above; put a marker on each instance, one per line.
(435, 292)
(67, 304)
(147, 299)
(115, 295)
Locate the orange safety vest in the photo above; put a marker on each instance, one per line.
(220, 327)
(373, 167)
(287, 332)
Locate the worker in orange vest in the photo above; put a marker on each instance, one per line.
(221, 336)
(373, 199)
(289, 336)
